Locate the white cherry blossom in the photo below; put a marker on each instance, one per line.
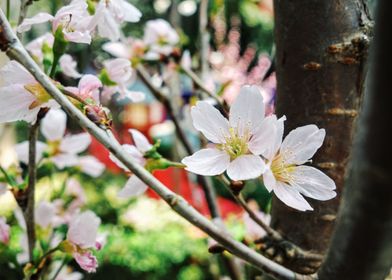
(61, 148)
(160, 37)
(109, 16)
(21, 95)
(74, 20)
(134, 186)
(286, 175)
(237, 146)
(120, 72)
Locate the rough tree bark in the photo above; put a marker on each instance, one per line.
(321, 54)
(361, 247)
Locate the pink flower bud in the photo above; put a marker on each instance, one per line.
(87, 261)
(4, 231)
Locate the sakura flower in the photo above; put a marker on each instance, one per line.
(130, 48)
(4, 231)
(87, 88)
(83, 230)
(87, 261)
(134, 186)
(21, 95)
(237, 146)
(109, 16)
(69, 66)
(160, 37)
(121, 76)
(82, 235)
(285, 173)
(73, 20)
(60, 148)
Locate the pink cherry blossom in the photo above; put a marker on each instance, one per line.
(21, 95)
(88, 88)
(86, 260)
(134, 186)
(69, 66)
(83, 230)
(4, 231)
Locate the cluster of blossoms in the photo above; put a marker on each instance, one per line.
(250, 145)
(247, 145)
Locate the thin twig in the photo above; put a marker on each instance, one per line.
(28, 212)
(14, 49)
(204, 37)
(199, 83)
(24, 6)
(160, 96)
(297, 252)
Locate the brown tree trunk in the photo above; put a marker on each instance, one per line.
(361, 247)
(321, 53)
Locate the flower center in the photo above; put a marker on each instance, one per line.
(235, 145)
(281, 170)
(40, 94)
(53, 147)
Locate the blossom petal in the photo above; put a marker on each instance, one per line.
(82, 37)
(269, 180)
(117, 49)
(207, 162)
(64, 160)
(54, 124)
(76, 143)
(83, 229)
(247, 111)
(209, 121)
(132, 152)
(44, 213)
(86, 260)
(13, 73)
(141, 142)
(134, 187)
(22, 151)
(291, 197)
(127, 11)
(302, 143)
(246, 167)
(91, 166)
(263, 139)
(68, 66)
(37, 19)
(313, 183)
(4, 231)
(15, 104)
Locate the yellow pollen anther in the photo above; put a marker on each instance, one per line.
(235, 145)
(40, 94)
(281, 170)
